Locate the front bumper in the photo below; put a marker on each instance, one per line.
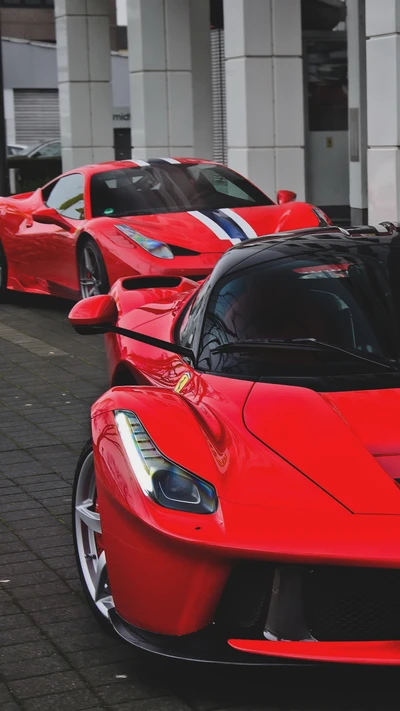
(254, 614)
(206, 646)
(209, 647)
(386, 653)
(170, 573)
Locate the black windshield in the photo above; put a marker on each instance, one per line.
(348, 303)
(165, 188)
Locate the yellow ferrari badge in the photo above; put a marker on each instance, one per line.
(182, 382)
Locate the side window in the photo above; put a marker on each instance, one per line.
(190, 322)
(226, 316)
(66, 196)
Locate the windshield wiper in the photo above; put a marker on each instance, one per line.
(307, 344)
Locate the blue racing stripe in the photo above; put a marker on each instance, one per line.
(226, 223)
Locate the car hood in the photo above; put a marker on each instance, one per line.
(217, 230)
(347, 443)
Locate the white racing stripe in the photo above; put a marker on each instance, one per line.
(247, 229)
(218, 231)
(173, 161)
(140, 163)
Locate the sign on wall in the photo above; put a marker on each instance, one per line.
(121, 117)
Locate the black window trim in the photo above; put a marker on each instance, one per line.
(178, 325)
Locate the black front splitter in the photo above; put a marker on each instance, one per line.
(207, 646)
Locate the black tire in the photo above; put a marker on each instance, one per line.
(85, 539)
(3, 274)
(93, 278)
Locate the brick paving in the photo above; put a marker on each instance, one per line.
(53, 655)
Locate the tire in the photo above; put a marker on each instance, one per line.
(3, 274)
(93, 279)
(89, 552)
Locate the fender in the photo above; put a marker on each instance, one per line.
(153, 539)
(169, 420)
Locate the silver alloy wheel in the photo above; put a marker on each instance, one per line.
(89, 273)
(87, 525)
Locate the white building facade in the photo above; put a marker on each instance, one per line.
(295, 94)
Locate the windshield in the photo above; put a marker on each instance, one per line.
(165, 188)
(348, 303)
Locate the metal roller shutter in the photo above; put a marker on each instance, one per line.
(219, 95)
(37, 116)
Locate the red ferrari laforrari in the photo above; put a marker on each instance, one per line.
(88, 228)
(240, 502)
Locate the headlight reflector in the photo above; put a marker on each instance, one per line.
(153, 246)
(163, 481)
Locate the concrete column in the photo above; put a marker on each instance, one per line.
(84, 77)
(160, 66)
(264, 86)
(383, 93)
(358, 140)
(201, 79)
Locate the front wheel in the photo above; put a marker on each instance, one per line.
(89, 550)
(93, 279)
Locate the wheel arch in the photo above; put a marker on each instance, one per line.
(135, 529)
(124, 374)
(84, 237)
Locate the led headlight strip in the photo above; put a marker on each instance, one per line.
(160, 479)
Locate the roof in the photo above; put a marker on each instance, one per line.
(309, 242)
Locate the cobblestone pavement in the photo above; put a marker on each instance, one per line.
(53, 655)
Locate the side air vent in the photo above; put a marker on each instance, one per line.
(182, 252)
(162, 282)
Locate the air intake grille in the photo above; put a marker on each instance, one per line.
(245, 600)
(182, 251)
(352, 604)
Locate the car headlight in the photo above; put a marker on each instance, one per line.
(153, 246)
(163, 481)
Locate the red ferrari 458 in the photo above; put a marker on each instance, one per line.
(240, 502)
(88, 228)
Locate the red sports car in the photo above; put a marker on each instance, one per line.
(88, 228)
(241, 499)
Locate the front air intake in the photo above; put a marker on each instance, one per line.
(345, 604)
(243, 607)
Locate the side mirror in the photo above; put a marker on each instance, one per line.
(50, 216)
(89, 315)
(284, 196)
(99, 314)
